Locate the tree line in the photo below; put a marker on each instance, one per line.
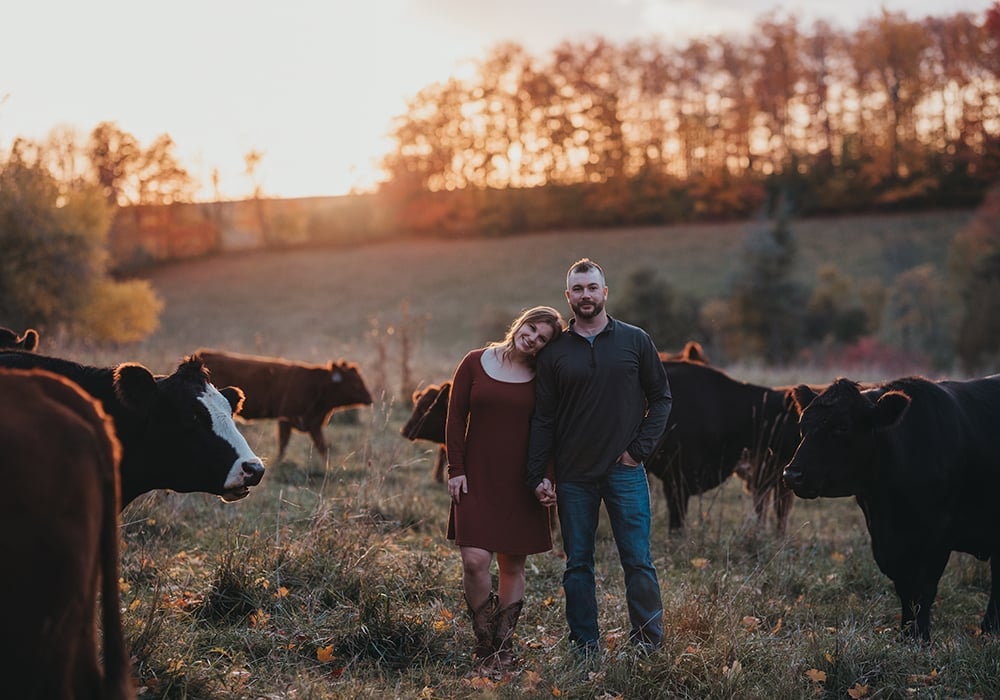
(894, 113)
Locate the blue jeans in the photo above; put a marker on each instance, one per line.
(625, 493)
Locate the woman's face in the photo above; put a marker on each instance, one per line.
(530, 337)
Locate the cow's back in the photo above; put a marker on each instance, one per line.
(61, 497)
(945, 459)
(262, 382)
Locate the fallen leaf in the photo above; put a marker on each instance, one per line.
(837, 557)
(751, 622)
(777, 627)
(530, 680)
(324, 654)
(700, 562)
(816, 676)
(858, 691)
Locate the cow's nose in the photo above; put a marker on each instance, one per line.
(791, 478)
(253, 472)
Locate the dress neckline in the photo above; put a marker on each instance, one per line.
(497, 379)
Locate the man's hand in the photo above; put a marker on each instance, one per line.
(545, 492)
(457, 485)
(627, 460)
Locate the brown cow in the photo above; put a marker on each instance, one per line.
(298, 395)
(427, 421)
(59, 514)
(10, 339)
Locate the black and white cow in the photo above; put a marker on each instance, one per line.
(177, 431)
(923, 462)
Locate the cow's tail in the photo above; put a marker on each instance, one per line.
(117, 669)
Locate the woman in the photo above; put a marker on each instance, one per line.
(492, 510)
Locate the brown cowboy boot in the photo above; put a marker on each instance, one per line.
(503, 635)
(482, 627)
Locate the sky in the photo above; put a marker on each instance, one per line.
(313, 85)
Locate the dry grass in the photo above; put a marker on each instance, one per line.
(334, 580)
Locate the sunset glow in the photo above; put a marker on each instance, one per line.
(312, 86)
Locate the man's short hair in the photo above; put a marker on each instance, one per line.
(585, 265)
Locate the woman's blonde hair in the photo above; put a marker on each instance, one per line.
(535, 315)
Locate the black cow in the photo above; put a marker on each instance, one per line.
(923, 462)
(713, 419)
(10, 339)
(176, 431)
(428, 419)
(691, 352)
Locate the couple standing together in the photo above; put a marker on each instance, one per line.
(570, 425)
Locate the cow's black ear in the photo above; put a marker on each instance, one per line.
(135, 386)
(801, 396)
(235, 396)
(30, 339)
(890, 408)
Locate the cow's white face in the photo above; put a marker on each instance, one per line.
(247, 467)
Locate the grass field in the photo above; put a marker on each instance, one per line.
(334, 580)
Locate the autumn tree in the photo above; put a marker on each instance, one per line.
(918, 317)
(53, 268)
(129, 174)
(834, 312)
(974, 261)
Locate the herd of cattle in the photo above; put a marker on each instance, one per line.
(918, 456)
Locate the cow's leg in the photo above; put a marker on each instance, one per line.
(917, 593)
(783, 499)
(677, 502)
(991, 620)
(284, 433)
(319, 440)
(440, 464)
(761, 497)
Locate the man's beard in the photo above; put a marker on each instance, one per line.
(587, 315)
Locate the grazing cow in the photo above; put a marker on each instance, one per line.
(922, 461)
(713, 418)
(10, 339)
(298, 395)
(177, 431)
(427, 421)
(59, 515)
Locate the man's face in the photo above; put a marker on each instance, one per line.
(586, 294)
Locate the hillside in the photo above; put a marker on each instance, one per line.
(317, 304)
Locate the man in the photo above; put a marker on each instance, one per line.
(601, 404)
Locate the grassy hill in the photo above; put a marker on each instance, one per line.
(451, 295)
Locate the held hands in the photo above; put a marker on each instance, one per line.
(457, 485)
(545, 492)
